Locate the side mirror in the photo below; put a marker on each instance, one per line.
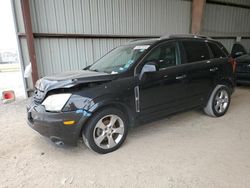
(148, 67)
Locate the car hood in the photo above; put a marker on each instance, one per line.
(243, 59)
(71, 79)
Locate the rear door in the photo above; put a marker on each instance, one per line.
(201, 70)
(219, 57)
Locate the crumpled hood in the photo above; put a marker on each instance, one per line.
(70, 79)
(74, 75)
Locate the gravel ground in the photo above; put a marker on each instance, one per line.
(184, 150)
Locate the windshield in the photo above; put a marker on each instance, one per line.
(119, 59)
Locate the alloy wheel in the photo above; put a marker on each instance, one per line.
(108, 131)
(221, 101)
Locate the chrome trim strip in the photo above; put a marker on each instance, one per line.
(137, 99)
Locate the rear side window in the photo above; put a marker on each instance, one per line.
(223, 48)
(217, 52)
(196, 51)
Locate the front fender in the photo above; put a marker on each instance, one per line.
(112, 101)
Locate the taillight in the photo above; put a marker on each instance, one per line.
(233, 63)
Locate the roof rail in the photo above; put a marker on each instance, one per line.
(134, 40)
(142, 39)
(189, 36)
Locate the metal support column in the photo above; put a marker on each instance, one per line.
(30, 38)
(198, 8)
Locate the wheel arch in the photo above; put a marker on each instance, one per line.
(228, 83)
(113, 104)
(223, 81)
(119, 105)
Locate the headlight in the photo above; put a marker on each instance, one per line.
(78, 102)
(56, 102)
(38, 82)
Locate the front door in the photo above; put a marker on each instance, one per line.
(163, 91)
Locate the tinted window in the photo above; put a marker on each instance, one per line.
(196, 51)
(217, 52)
(165, 56)
(238, 49)
(223, 48)
(119, 59)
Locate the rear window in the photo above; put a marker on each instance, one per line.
(196, 51)
(217, 52)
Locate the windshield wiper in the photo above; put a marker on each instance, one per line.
(94, 70)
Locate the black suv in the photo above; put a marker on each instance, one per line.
(243, 64)
(134, 83)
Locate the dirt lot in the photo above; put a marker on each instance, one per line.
(185, 150)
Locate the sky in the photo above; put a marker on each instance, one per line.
(7, 29)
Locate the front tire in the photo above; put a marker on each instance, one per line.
(106, 130)
(219, 101)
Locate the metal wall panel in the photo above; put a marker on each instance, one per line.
(228, 43)
(226, 21)
(137, 17)
(246, 44)
(58, 55)
(25, 58)
(121, 17)
(221, 20)
(18, 16)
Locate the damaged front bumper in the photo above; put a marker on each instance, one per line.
(51, 124)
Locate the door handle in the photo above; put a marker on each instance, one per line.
(213, 69)
(181, 77)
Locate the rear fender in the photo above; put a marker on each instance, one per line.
(228, 82)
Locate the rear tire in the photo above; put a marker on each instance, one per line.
(106, 130)
(219, 101)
